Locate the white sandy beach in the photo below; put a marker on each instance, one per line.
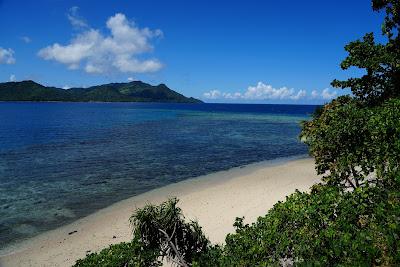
(215, 200)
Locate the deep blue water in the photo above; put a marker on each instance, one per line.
(62, 161)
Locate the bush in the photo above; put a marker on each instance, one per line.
(158, 232)
(323, 228)
(352, 142)
(121, 255)
(163, 228)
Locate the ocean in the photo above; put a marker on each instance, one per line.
(62, 161)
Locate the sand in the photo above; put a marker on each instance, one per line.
(214, 200)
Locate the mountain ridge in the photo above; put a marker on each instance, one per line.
(135, 91)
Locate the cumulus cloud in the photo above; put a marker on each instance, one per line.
(130, 79)
(95, 52)
(300, 94)
(25, 39)
(261, 91)
(12, 78)
(327, 94)
(213, 94)
(66, 87)
(6, 56)
(314, 94)
(265, 91)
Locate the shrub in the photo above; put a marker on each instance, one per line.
(326, 227)
(121, 255)
(163, 228)
(352, 143)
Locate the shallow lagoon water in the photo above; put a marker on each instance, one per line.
(62, 161)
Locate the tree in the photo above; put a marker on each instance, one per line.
(391, 25)
(164, 229)
(353, 144)
(350, 138)
(326, 227)
(381, 61)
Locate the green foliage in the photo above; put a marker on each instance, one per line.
(121, 255)
(323, 228)
(158, 232)
(164, 229)
(214, 256)
(317, 112)
(382, 65)
(114, 92)
(357, 139)
(352, 142)
(380, 61)
(391, 25)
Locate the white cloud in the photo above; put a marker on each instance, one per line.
(76, 20)
(6, 56)
(213, 94)
(25, 39)
(314, 94)
(12, 78)
(65, 87)
(263, 91)
(326, 94)
(98, 53)
(300, 94)
(130, 79)
(259, 92)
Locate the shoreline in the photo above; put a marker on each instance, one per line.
(215, 200)
(277, 161)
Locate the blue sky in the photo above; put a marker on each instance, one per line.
(219, 51)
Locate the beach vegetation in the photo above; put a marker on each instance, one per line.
(159, 232)
(353, 144)
(163, 228)
(125, 254)
(356, 138)
(381, 61)
(326, 227)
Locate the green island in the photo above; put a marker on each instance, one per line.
(135, 91)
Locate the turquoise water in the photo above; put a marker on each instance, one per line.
(62, 161)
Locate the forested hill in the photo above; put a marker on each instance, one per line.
(135, 91)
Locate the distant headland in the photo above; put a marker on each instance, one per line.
(135, 91)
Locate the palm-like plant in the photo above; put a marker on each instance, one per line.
(163, 228)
